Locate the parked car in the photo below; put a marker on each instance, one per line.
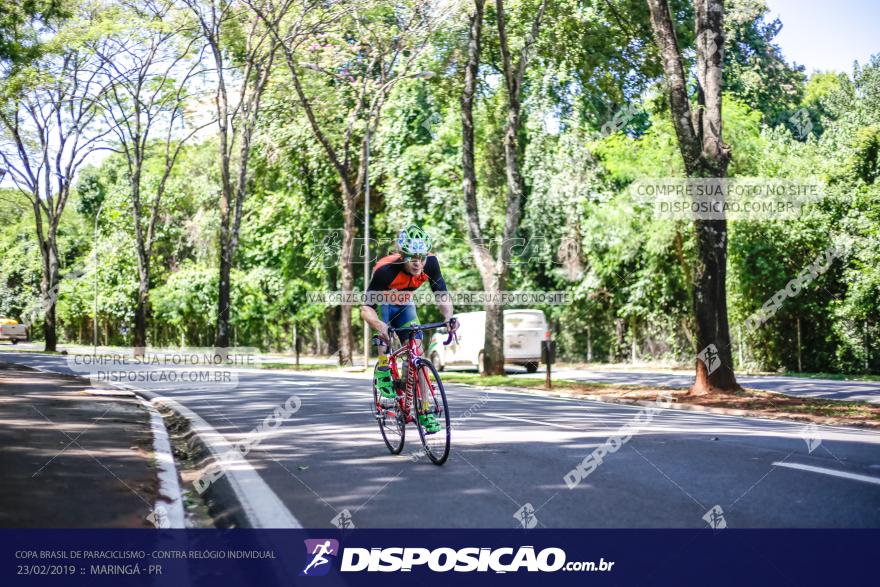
(11, 330)
(523, 332)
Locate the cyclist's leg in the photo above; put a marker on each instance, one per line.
(398, 316)
(408, 317)
(382, 374)
(404, 316)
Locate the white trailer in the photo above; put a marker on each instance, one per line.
(523, 332)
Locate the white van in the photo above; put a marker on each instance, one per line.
(11, 330)
(523, 332)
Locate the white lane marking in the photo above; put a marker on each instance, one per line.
(831, 472)
(531, 421)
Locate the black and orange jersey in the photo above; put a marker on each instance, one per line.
(389, 275)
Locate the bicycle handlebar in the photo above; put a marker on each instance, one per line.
(421, 327)
(417, 327)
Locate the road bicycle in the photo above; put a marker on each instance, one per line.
(421, 393)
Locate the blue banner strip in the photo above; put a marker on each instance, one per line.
(265, 558)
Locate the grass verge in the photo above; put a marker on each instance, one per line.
(833, 376)
(751, 402)
(15, 349)
(293, 367)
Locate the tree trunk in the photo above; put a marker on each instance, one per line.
(50, 286)
(493, 348)
(494, 271)
(139, 336)
(634, 343)
(223, 297)
(710, 307)
(139, 341)
(493, 342)
(705, 155)
(50, 329)
(346, 342)
(221, 338)
(514, 76)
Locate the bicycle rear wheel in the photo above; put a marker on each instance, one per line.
(391, 423)
(430, 388)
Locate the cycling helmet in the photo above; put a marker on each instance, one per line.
(412, 240)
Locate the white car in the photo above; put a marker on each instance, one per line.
(523, 332)
(11, 330)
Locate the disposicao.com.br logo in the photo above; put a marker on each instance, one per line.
(444, 559)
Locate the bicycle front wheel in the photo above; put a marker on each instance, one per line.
(391, 423)
(430, 398)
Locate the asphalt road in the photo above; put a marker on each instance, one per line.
(512, 450)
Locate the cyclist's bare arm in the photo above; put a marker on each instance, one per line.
(438, 286)
(445, 307)
(369, 315)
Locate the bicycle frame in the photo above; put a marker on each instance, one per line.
(413, 354)
(414, 364)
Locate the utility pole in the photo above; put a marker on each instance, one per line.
(589, 344)
(296, 343)
(739, 337)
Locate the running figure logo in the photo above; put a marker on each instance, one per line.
(710, 357)
(526, 516)
(317, 551)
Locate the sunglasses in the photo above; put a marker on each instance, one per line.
(408, 258)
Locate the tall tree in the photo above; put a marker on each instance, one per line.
(344, 60)
(50, 125)
(149, 89)
(705, 155)
(242, 48)
(493, 271)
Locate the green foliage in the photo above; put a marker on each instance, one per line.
(627, 273)
(755, 71)
(22, 23)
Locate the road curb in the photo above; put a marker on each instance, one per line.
(167, 472)
(254, 504)
(169, 486)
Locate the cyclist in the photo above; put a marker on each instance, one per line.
(405, 270)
